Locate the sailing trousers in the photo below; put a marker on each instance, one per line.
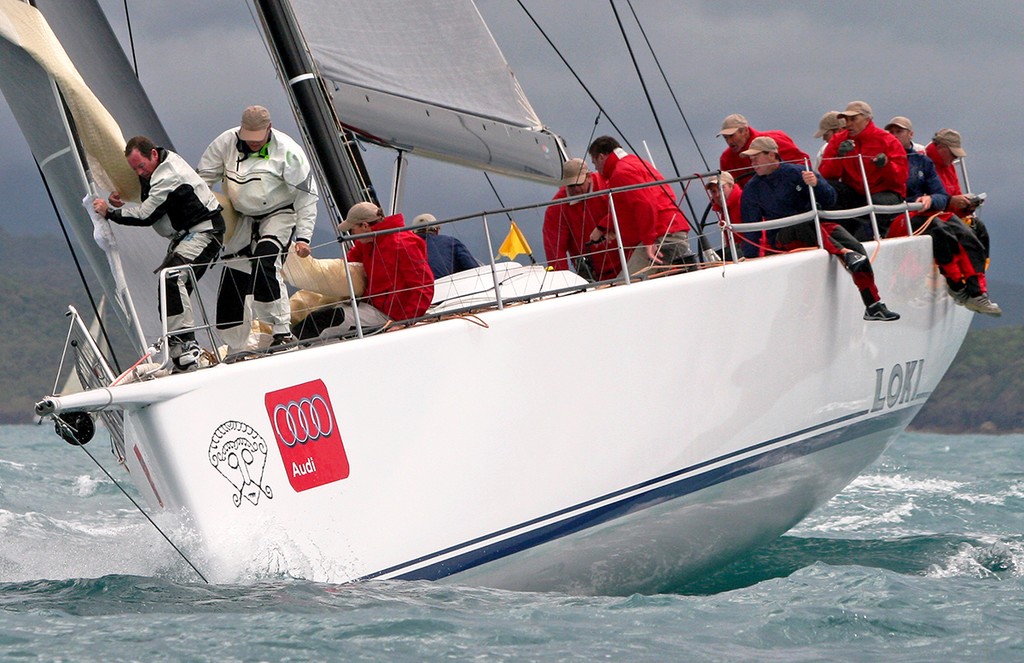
(251, 286)
(198, 250)
(959, 254)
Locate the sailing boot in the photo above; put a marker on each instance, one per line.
(185, 355)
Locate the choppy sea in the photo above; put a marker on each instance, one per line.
(920, 559)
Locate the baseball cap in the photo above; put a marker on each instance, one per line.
(761, 144)
(255, 122)
(950, 139)
(733, 123)
(574, 171)
(360, 213)
(901, 122)
(830, 121)
(724, 176)
(857, 108)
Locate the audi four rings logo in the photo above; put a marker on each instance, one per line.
(305, 420)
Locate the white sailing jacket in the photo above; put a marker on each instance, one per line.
(174, 200)
(259, 183)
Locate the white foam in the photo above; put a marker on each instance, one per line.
(87, 485)
(867, 520)
(897, 483)
(988, 561)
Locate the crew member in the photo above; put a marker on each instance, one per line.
(268, 179)
(180, 206)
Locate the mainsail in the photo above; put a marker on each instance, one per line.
(76, 99)
(426, 76)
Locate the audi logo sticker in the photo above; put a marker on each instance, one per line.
(308, 435)
(303, 421)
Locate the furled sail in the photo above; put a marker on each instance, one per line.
(426, 76)
(62, 59)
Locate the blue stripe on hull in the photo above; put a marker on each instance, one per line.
(684, 486)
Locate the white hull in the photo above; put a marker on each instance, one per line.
(609, 441)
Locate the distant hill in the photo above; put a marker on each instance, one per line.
(37, 282)
(984, 388)
(983, 391)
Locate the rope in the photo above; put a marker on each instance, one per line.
(575, 75)
(668, 85)
(131, 38)
(643, 85)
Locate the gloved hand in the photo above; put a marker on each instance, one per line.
(846, 147)
(880, 160)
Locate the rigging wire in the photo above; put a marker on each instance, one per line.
(78, 266)
(668, 85)
(60, 422)
(575, 75)
(131, 38)
(700, 235)
(654, 113)
(643, 85)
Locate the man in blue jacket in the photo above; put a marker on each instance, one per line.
(445, 254)
(779, 190)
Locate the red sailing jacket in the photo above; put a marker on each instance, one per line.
(399, 282)
(739, 166)
(567, 229)
(950, 180)
(870, 142)
(644, 215)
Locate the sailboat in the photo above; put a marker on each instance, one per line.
(376, 456)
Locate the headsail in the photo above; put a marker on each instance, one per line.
(427, 77)
(61, 69)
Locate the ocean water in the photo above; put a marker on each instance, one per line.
(920, 559)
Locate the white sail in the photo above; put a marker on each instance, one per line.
(74, 95)
(443, 89)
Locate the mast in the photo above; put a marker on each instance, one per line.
(345, 176)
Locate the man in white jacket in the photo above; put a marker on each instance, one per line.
(267, 177)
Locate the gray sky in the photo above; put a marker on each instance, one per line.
(780, 64)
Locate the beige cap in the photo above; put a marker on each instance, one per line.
(255, 122)
(732, 124)
(360, 213)
(830, 121)
(574, 171)
(901, 122)
(857, 108)
(723, 177)
(950, 139)
(761, 144)
(424, 220)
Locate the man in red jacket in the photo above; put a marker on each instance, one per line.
(749, 245)
(651, 225)
(399, 282)
(568, 226)
(946, 147)
(885, 164)
(738, 134)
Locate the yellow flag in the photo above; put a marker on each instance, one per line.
(514, 244)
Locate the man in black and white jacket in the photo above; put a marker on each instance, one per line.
(179, 205)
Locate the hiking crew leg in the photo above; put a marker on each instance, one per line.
(836, 238)
(270, 301)
(971, 243)
(235, 285)
(197, 250)
(270, 248)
